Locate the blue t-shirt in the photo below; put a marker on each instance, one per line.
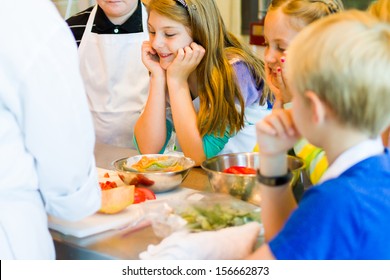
(343, 218)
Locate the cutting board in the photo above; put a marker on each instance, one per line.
(98, 222)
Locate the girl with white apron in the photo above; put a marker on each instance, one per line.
(116, 81)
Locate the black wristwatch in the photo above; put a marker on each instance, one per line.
(274, 181)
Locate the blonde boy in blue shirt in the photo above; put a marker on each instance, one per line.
(341, 97)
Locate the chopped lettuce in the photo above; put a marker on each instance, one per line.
(163, 164)
(217, 216)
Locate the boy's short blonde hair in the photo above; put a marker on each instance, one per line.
(345, 59)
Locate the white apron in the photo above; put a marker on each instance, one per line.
(116, 81)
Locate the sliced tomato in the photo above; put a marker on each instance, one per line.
(149, 194)
(107, 185)
(240, 170)
(139, 196)
(141, 180)
(106, 175)
(122, 178)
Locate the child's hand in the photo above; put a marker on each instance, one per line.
(282, 80)
(276, 133)
(273, 85)
(278, 83)
(186, 61)
(150, 59)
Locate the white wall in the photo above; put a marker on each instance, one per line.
(231, 13)
(68, 8)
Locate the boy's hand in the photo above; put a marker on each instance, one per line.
(276, 133)
(186, 61)
(150, 59)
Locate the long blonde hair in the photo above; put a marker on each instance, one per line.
(217, 84)
(304, 12)
(380, 9)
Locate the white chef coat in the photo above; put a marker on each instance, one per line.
(46, 131)
(116, 81)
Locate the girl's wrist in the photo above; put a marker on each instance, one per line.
(175, 76)
(158, 76)
(176, 81)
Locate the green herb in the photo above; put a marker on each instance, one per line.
(217, 216)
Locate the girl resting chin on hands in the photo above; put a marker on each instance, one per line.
(205, 85)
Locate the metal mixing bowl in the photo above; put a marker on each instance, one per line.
(243, 186)
(157, 181)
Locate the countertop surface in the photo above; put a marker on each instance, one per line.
(125, 243)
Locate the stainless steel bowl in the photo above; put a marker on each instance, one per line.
(157, 181)
(243, 186)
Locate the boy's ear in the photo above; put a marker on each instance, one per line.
(318, 108)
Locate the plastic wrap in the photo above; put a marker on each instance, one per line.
(199, 212)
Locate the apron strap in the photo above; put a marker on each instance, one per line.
(88, 27)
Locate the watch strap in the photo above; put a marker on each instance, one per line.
(274, 181)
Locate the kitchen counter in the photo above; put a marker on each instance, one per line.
(117, 244)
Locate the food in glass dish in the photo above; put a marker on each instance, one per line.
(157, 172)
(200, 211)
(162, 163)
(217, 216)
